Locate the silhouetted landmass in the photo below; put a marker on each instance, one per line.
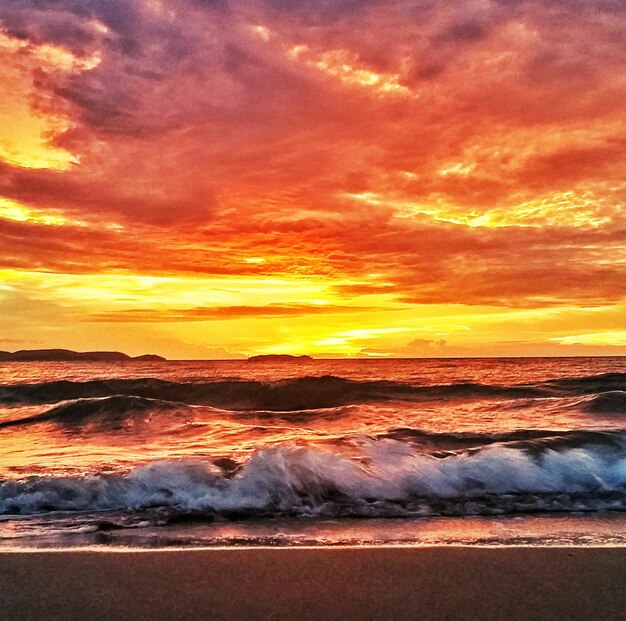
(150, 358)
(67, 355)
(279, 358)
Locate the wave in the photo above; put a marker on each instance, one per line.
(303, 393)
(102, 410)
(389, 478)
(530, 440)
(588, 383)
(114, 412)
(612, 402)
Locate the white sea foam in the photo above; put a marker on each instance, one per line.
(389, 476)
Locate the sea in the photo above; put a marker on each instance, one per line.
(356, 452)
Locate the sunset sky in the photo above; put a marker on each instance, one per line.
(214, 178)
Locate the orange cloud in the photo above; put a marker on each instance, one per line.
(222, 312)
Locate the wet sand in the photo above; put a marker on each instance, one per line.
(321, 583)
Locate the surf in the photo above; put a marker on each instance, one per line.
(389, 478)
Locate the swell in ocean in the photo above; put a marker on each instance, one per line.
(309, 392)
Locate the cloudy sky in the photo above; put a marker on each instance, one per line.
(215, 178)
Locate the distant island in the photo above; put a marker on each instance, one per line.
(67, 355)
(279, 358)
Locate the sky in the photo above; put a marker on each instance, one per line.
(364, 178)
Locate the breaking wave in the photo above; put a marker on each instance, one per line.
(389, 478)
(302, 393)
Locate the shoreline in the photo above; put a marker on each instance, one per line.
(130, 549)
(326, 583)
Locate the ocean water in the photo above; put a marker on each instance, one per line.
(323, 452)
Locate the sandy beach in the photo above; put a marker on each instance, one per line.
(323, 583)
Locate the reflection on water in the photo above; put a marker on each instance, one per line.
(607, 529)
